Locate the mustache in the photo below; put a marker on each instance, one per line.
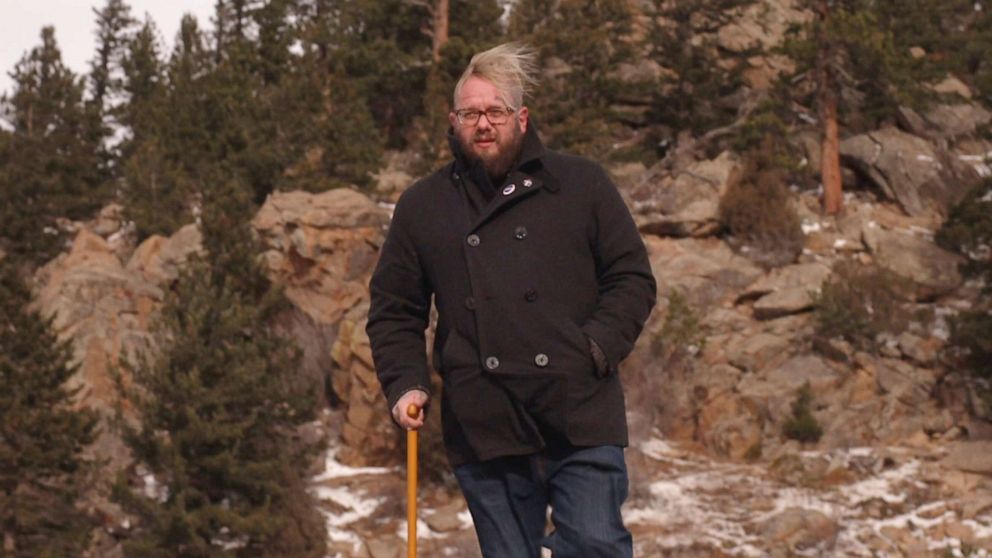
(484, 137)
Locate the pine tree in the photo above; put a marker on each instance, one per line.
(42, 435)
(113, 26)
(380, 46)
(219, 406)
(689, 98)
(51, 161)
(154, 195)
(857, 77)
(585, 41)
(467, 27)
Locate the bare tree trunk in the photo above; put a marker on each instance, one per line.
(438, 29)
(439, 38)
(833, 196)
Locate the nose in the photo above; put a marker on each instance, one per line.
(484, 123)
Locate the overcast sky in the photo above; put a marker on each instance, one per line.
(21, 22)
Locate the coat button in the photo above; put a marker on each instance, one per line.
(541, 360)
(473, 240)
(520, 232)
(492, 363)
(530, 295)
(470, 303)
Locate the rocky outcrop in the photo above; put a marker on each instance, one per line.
(684, 203)
(930, 270)
(909, 170)
(786, 290)
(323, 248)
(760, 25)
(944, 123)
(105, 308)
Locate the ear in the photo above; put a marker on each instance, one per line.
(453, 120)
(522, 118)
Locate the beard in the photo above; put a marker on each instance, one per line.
(496, 163)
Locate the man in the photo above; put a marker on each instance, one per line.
(542, 285)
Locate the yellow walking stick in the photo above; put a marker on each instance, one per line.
(411, 485)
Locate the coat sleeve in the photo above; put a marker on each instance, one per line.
(627, 288)
(399, 312)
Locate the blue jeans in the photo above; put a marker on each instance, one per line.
(585, 487)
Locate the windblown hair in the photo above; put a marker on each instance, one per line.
(509, 66)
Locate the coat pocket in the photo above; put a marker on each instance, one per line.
(578, 342)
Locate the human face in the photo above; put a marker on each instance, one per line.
(495, 146)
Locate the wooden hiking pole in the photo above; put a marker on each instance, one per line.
(411, 485)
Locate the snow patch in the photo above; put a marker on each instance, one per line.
(811, 226)
(334, 469)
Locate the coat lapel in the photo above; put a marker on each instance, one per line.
(518, 186)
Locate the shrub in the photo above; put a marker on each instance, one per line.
(968, 231)
(859, 303)
(681, 332)
(802, 425)
(758, 210)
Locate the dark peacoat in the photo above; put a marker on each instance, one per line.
(553, 260)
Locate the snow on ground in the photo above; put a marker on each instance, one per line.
(334, 469)
(350, 505)
(700, 501)
(694, 501)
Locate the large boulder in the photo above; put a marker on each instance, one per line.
(684, 203)
(787, 290)
(323, 248)
(774, 389)
(929, 269)
(907, 169)
(799, 530)
(159, 259)
(971, 457)
(945, 122)
(705, 269)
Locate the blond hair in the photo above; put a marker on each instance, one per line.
(509, 66)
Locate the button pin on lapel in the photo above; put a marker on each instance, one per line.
(509, 189)
(473, 240)
(520, 232)
(528, 183)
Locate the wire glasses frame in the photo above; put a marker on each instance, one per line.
(495, 116)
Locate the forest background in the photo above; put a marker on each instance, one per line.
(315, 95)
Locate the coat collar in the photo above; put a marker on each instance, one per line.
(527, 176)
(529, 163)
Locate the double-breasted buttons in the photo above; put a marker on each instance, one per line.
(492, 363)
(528, 183)
(530, 295)
(473, 240)
(541, 360)
(470, 303)
(520, 232)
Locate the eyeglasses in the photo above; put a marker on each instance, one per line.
(495, 116)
